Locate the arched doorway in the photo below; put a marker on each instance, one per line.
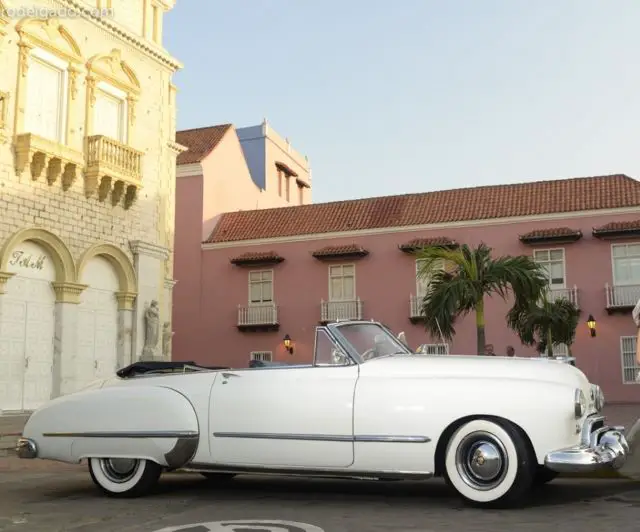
(97, 322)
(27, 329)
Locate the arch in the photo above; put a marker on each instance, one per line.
(114, 70)
(63, 260)
(49, 34)
(119, 261)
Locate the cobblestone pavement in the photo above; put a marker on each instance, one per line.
(47, 497)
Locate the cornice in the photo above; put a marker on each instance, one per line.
(138, 247)
(142, 44)
(176, 148)
(189, 170)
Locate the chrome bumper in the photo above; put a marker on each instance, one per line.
(26, 448)
(601, 448)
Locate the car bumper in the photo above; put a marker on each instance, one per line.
(601, 448)
(26, 448)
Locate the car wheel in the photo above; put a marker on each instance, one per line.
(489, 463)
(124, 477)
(544, 475)
(218, 477)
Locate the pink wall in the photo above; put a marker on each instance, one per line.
(384, 281)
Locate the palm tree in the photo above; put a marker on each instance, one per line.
(468, 276)
(544, 323)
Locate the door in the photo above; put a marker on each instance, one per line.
(284, 417)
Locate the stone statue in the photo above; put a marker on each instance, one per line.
(167, 334)
(151, 330)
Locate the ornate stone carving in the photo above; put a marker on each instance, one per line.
(126, 300)
(167, 334)
(4, 277)
(151, 330)
(68, 292)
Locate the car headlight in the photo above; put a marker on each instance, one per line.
(579, 403)
(597, 397)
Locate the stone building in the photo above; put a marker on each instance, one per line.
(87, 191)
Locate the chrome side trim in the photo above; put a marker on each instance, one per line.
(26, 448)
(136, 434)
(308, 472)
(323, 437)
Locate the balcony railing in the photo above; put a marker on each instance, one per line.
(264, 315)
(622, 296)
(341, 310)
(415, 307)
(564, 293)
(112, 167)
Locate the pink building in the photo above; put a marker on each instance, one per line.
(225, 169)
(267, 273)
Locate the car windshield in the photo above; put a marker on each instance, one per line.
(370, 340)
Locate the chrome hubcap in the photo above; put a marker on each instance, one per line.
(119, 470)
(481, 460)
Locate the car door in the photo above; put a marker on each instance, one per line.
(286, 416)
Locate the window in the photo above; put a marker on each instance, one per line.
(287, 183)
(280, 178)
(422, 284)
(46, 96)
(552, 260)
(300, 195)
(4, 109)
(327, 353)
(630, 367)
(342, 282)
(262, 356)
(260, 287)
(110, 113)
(626, 264)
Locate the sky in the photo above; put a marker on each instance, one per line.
(419, 95)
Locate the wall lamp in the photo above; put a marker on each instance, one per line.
(591, 323)
(287, 343)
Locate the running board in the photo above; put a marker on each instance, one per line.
(303, 472)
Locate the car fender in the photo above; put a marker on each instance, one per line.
(151, 422)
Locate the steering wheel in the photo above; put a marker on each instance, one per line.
(368, 354)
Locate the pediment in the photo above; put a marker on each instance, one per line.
(115, 70)
(51, 35)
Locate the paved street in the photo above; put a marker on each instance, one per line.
(39, 496)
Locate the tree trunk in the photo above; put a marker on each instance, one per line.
(481, 340)
(549, 344)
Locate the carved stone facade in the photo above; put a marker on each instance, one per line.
(87, 188)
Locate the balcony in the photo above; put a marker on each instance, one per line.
(263, 317)
(415, 309)
(621, 297)
(112, 169)
(47, 156)
(564, 293)
(340, 310)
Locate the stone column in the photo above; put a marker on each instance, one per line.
(148, 261)
(65, 342)
(125, 328)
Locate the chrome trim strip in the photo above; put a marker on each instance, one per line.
(323, 437)
(308, 472)
(185, 434)
(26, 448)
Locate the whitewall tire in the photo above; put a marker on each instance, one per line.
(123, 477)
(489, 463)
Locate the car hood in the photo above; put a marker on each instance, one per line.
(476, 367)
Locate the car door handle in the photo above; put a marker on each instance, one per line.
(227, 375)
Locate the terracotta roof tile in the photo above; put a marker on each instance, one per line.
(418, 243)
(200, 142)
(614, 229)
(479, 203)
(336, 251)
(555, 233)
(253, 257)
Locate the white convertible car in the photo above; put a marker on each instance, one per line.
(367, 407)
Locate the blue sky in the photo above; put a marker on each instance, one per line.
(419, 95)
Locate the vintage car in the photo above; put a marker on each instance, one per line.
(367, 407)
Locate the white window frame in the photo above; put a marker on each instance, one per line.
(260, 355)
(549, 261)
(421, 287)
(613, 264)
(331, 298)
(54, 61)
(261, 303)
(120, 95)
(624, 367)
